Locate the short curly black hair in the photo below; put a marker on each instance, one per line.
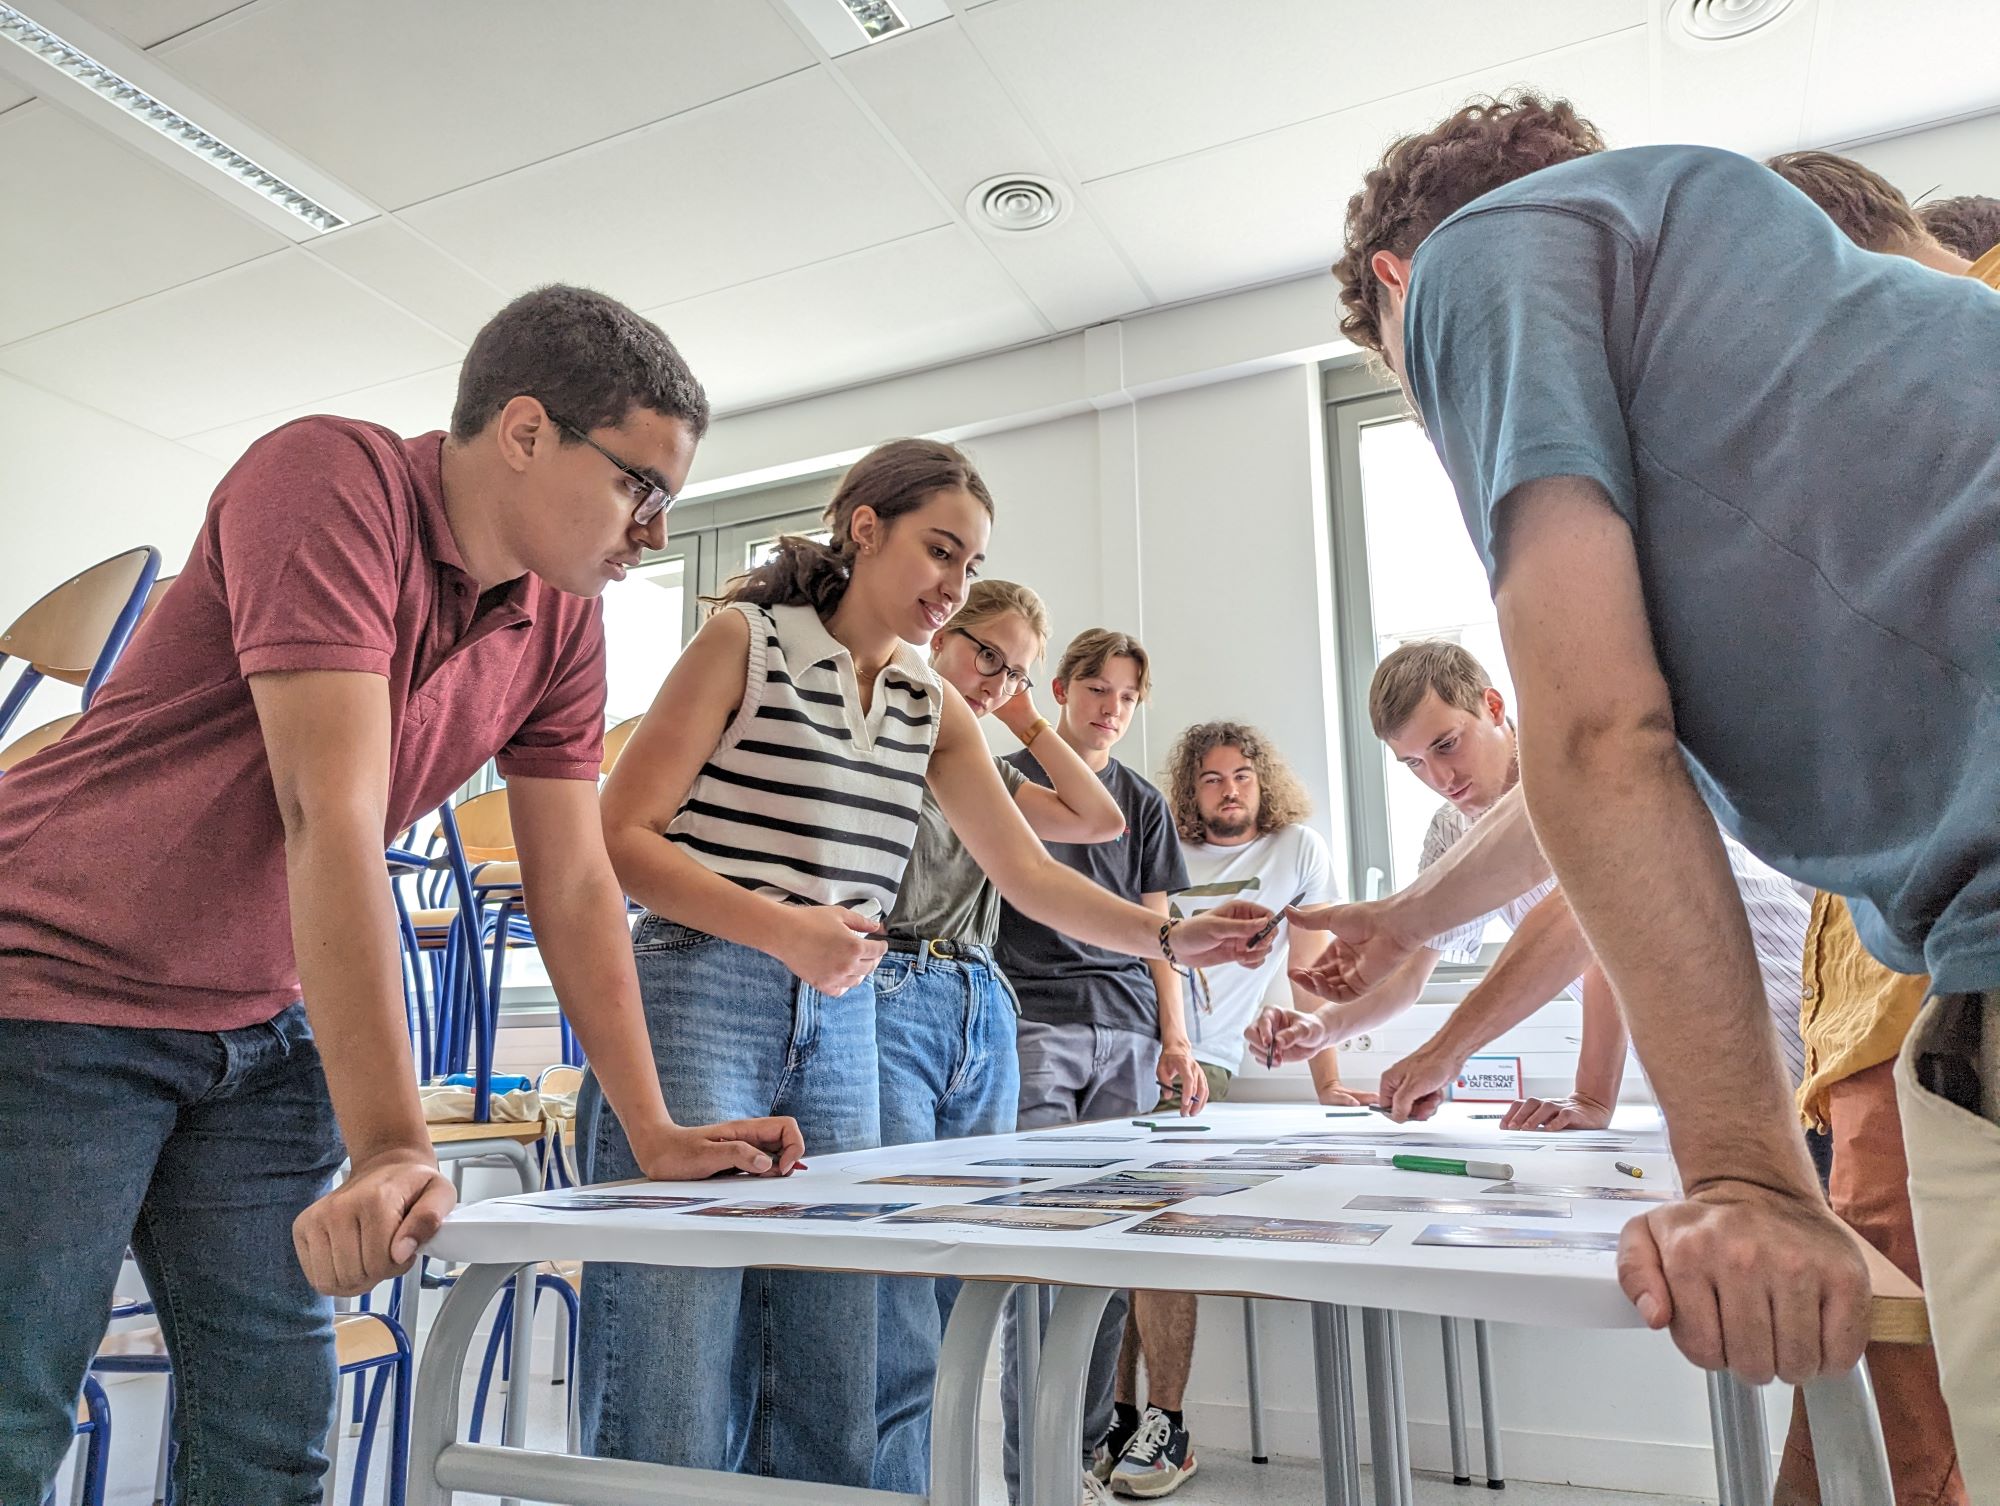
(585, 356)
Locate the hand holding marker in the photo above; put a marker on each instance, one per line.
(1257, 940)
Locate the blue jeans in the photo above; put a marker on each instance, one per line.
(765, 1372)
(946, 1042)
(197, 1150)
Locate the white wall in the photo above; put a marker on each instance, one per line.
(78, 486)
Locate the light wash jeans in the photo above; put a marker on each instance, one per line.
(945, 1041)
(762, 1372)
(197, 1149)
(1070, 1073)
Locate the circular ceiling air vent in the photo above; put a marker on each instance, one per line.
(1016, 202)
(1726, 20)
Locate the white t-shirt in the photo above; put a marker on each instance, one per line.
(1777, 910)
(1289, 866)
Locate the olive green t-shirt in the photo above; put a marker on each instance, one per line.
(946, 895)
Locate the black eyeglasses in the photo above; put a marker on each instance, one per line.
(653, 499)
(990, 661)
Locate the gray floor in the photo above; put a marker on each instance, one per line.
(1223, 1476)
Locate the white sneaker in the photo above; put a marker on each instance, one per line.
(1095, 1491)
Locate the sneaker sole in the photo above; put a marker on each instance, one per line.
(1125, 1486)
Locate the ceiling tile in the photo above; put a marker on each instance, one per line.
(1121, 83)
(403, 102)
(150, 22)
(1748, 95)
(1272, 206)
(411, 405)
(1878, 69)
(282, 330)
(91, 224)
(12, 97)
(413, 274)
(914, 303)
(938, 97)
(770, 179)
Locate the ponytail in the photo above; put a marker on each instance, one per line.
(892, 479)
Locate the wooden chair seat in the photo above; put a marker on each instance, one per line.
(30, 743)
(433, 920)
(527, 1131)
(357, 1338)
(497, 876)
(1898, 1314)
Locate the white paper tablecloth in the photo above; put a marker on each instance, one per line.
(1550, 1288)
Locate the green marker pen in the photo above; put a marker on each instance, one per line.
(1498, 1171)
(1192, 1128)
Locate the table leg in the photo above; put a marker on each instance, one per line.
(961, 1373)
(1847, 1439)
(1399, 1433)
(1058, 1397)
(1454, 1402)
(1756, 1441)
(1489, 1404)
(1350, 1429)
(434, 1408)
(1336, 1403)
(1381, 1408)
(1723, 1442)
(1027, 1370)
(1253, 1374)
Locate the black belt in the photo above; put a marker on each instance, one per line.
(949, 951)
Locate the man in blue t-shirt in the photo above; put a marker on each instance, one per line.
(1742, 521)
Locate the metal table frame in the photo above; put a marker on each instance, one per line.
(1853, 1468)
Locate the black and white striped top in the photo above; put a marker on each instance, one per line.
(805, 799)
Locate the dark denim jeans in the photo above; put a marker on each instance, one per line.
(765, 1372)
(197, 1150)
(945, 1033)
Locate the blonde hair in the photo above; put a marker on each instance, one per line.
(990, 600)
(1283, 801)
(1416, 669)
(1092, 649)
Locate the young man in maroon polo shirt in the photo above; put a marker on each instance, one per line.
(363, 622)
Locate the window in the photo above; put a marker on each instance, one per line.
(645, 617)
(1404, 570)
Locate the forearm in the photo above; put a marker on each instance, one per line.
(350, 975)
(1614, 801)
(1064, 900)
(1074, 783)
(1325, 1069)
(581, 932)
(1540, 959)
(1173, 1005)
(1381, 1004)
(659, 875)
(1498, 860)
(1600, 1060)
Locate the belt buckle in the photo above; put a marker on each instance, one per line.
(939, 949)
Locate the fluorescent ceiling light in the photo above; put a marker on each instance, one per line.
(876, 18)
(115, 89)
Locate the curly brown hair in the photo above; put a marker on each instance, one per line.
(1967, 226)
(1283, 802)
(1424, 179)
(1868, 209)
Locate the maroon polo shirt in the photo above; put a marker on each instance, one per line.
(142, 858)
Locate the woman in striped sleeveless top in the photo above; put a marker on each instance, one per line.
(764, 812)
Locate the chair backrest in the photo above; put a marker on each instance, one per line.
(485, 829)
(29, 743)
(615, 740)
(76, 632)
(559, 1079)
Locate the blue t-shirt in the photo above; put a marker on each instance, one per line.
(1805, 440)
